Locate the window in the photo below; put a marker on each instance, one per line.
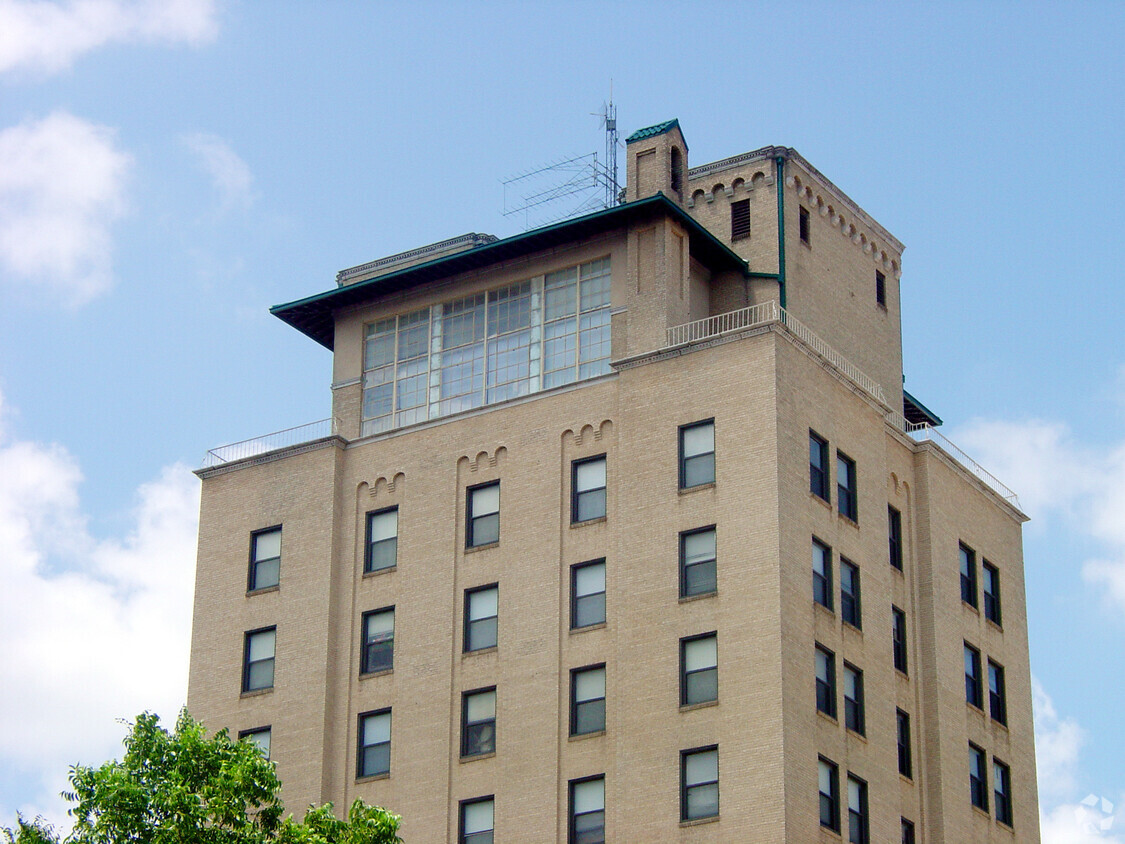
(847, 500)
(1002, 791)
(478, 722)
(857, 811)
(378, 641)
(822, 573)
(825, 681)
(257, 669)
(699, 669)
(905, 761)
(676, 171)
(483, 526)
(850, 609)
(880, 289)
(697, 454)
(699, 783)
(588, 490)
(991, 592)
(973, 692)
(898, 639)
(481, 606)
(373, 757)
(587, 811)
(476, 821)
(854, 717)
(978, 782)
(818, 466)
(829, 777)
(997, 697)
(968, 575)
(587, 590)
(907, 831)
(265, 558)
(740, 219)
(587, 700)
(697, 563)
(804, 227)
(894, 536)
(382, 540)
(260, 736)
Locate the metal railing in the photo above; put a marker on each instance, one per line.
(270, 442)
(926, 432)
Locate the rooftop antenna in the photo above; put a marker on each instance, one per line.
(608, 115)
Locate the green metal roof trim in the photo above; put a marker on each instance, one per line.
(913, 407)
(314, 316)
(653, 131)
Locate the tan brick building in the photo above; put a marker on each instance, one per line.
(624, 528)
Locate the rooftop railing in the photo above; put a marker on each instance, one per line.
(270, 442)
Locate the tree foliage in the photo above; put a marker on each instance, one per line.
(184, 787)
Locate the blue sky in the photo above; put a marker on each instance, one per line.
(169, 169)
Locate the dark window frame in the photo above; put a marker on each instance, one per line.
(466, 724)
(576, 704)
(855, 715)
(740, 219)
(686, 675)
(978, 785)
(684, 459)
(462, 835)
(967, 558)
(590, 597)
(685, 788)
(246, 664)
(880, 289)
(859, 820)
(471, 519)
(851, 601)
(993, 608)
(823, 593)
(572, 835)
(366, 658)
(894, 537)
(825, 686)
(690, 568)
(997, 693)
(804, 226)
(362, 745)
(905, 752)
(1002, 791)
(907, 831)
(830, 801)
(847, 494)
(254, 731)
(469, 621)
(974, 687)
(819, 476)
(252, 575)
(899, 640)
(369, 544)
(577, 496)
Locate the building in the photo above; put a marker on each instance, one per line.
(627, 524)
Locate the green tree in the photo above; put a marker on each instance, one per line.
(184, 787)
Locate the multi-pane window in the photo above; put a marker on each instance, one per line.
(740, 219)
(382, 540)
(818, 466)
(974, 692)
(898, 638)
(978, 778)
(588, 490)
(260, 736)
(587, 700)
(829, 780)
(894, 536)
(587, 811)
(481, 606)
(576, 323)
(699, 783)
(997, 696)
(857, 811)
(378, 640)
(373, 755)
(991, 592)
(1002, 791)
(968, 575)
(699, 669)
(697, 454)
(850, 609)
(826, 681)
(822, 573)
(265, 558)
(587, 590)
(476, 821)
(880, 289)
(478, 722)
(847, 496)
(483, 524)
(697, 562)
(905, 758)
(907, 831)
(257, 668)
(804, 225)
(854, 717)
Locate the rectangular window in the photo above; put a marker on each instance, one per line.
(991, 592)
(804, 225)
(483, 526)
(587, 590)
(699, 783)
(974, 693)
(740, 219)
(257, 669)
(818, 466)
(260, 736)
(880, 289)
(898, 639)
(699, 669)
(894, 537)
(587, 489)
(587, 811)
(822, 574)
(373, 757)
(476, 821)
(1002, 791)
(968, 575)
(997, 696)
(854, 717)
(378, 641)
(905, 759)
(697, 563)
(857, 811)
(382, 540)
(850, 609)
(587, 700)
(907, 831)
(847, 497)
(825, 681)
(478, 722)
(481, 608)
(697, 454)
(978, 778)
(829, 778)
(265, 558)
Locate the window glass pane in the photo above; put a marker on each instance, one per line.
(699, 439)
(267, 545)
(262, 644)
(463, 321)
(699, 546)
(478, 816)
(825, 778)
(377, 728)
(823, 663)
(486, 499)
(589, 796)
(855, 803)
(701, 767)
(384, 525)
(591, 474)
(561, 293)
(701, 653)
(380, 624)
(590, 579)
(589, 685)
(483, 603)
(480, 706)
(851, 684)
(703, 801)
(594, 286)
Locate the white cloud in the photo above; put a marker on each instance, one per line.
(1084, 822)
(1057, 742)
(91, 630)
(228, 172)
(48, 36)
(62, 185)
